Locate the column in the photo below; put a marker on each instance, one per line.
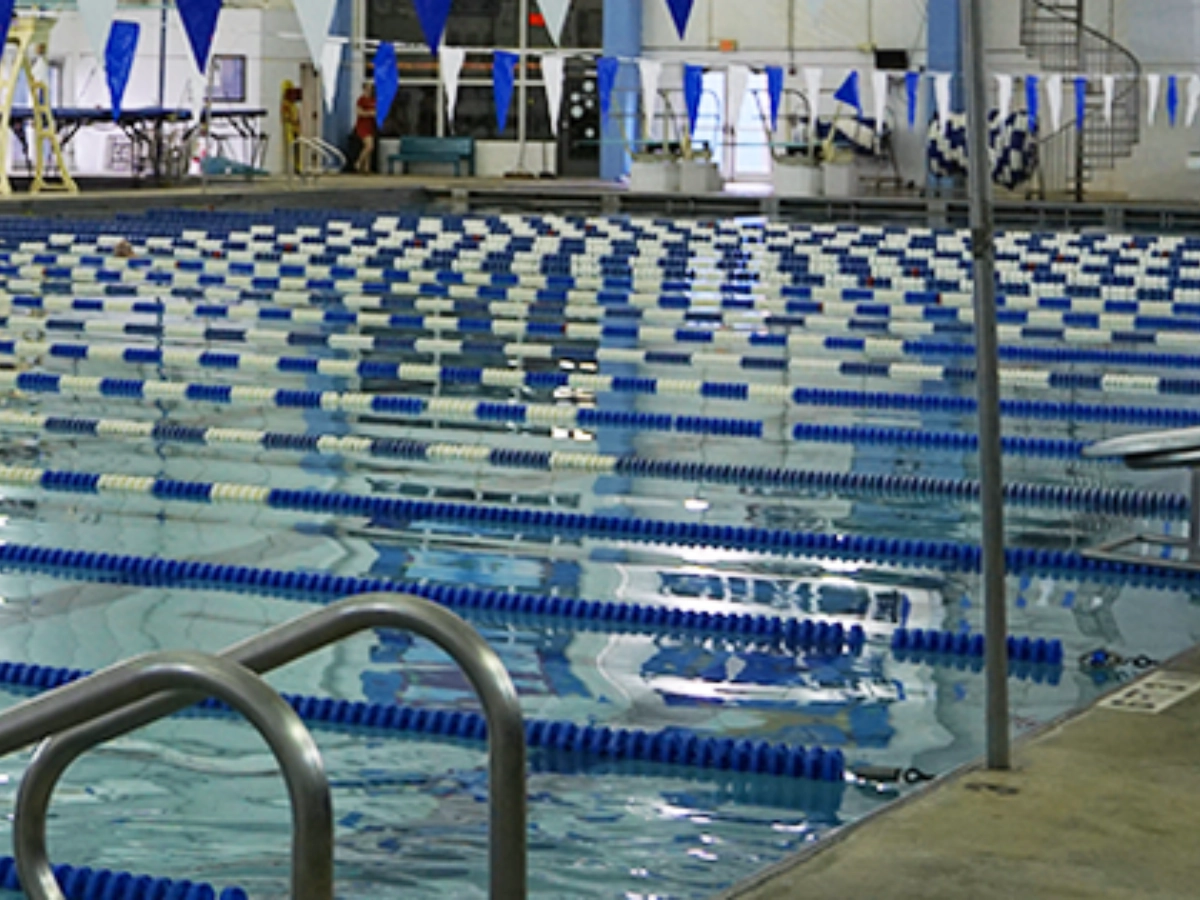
(623, 39)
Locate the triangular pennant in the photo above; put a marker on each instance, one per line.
(693, 90)
(607, 68)
(879, 91)
(681, 11)
(1153, 84)
(1004, 95)
(737, 79)
(1032, 96)
(6, 14)
(912, 92)
(941, 96)
(450, 63)
(1110, 94)
(555, 14)
(315, 18)
(1193, 99)
(199, 18)
(387, 81)
(775, 93)
(504, 69)
(1054, 100)
(848, 92)
(812, 88)
(1172, 99)
(432, 15)
(96, 16)
(331, 66)
(118, 60)
(196, 91)
(554, 67)
(651, 73)
(1081, 86)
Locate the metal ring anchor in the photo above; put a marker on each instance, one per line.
(109, 693)
(299, 637)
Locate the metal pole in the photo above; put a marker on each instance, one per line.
(522, 86)
(159, 136)
(988, 386)
(1080, 69)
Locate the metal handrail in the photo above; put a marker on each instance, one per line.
(127, 685)
(303, 146)
(299, 637)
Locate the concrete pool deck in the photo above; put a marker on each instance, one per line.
(1102, 805)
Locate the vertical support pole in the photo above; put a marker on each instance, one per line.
(522, 85)
(987, 380)
(623, 40)
(159, 133)
(1080, 69)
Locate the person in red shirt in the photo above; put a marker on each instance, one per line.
(364, 127)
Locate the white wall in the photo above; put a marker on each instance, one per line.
(1163, 34)
(269, 39)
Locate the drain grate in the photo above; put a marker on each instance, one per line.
(1153, 694)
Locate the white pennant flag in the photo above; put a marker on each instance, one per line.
(197, 85)
(331, 67)
(651, 72)
(553, 68)
(1153, 83)
(315, 18)
(450, 63)
(812, 84)
(1110, 93)
(1054, 100)
(1193, 99)
(555, 14)
(1004, 95)
(879, 84)
(97, 16)
(941, 94)
(737, 79)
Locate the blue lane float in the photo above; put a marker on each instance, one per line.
(675, 746)
(85, 883)
(792, 634)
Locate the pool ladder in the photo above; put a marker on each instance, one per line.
(134, 693)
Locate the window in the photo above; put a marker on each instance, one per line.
(228, 79)
(481, 26)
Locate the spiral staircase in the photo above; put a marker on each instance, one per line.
(1055, 33)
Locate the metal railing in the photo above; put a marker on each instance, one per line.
(506, 735)
(136, 684)
(311, 157)
(1056, 33)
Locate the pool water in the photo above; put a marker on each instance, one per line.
(199, 797)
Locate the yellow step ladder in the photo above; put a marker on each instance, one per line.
(32, 30)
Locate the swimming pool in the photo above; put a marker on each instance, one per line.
(631, 452)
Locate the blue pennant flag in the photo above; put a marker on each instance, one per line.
(848, 92)
(387, 81)
(912, 88)
(775, 92)
(1081, 86)
(118, 60)
(6, 14)
(432, 15)
(1173, 99)
(504, 69)
(1031, 101)
(681, 12)
(693, 89)
(199, 19)
(606, 82)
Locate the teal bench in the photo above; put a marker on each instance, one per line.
(453, 150)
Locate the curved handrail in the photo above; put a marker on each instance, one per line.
(126, 686)
(317, 146)
(299, 637)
